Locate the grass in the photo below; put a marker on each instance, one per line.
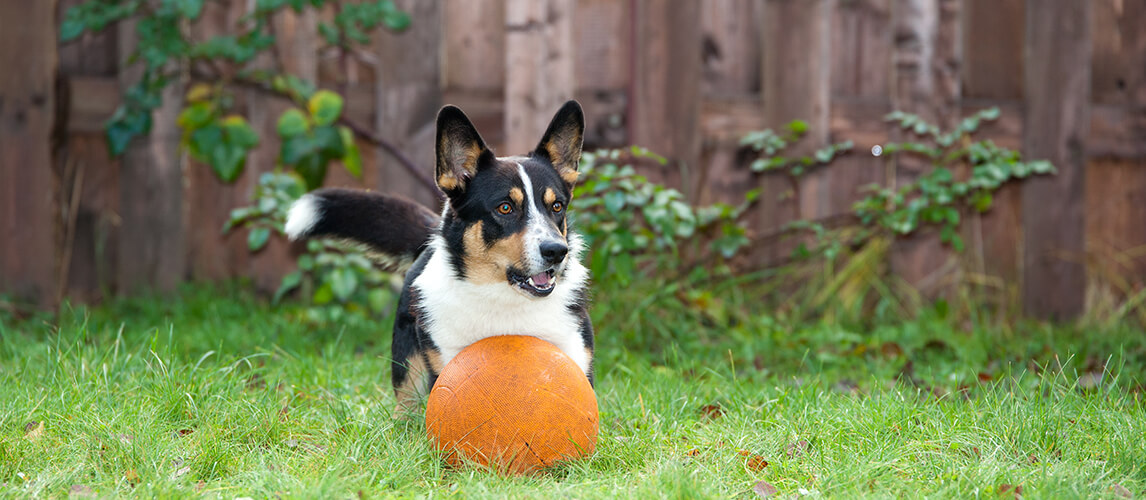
(218, 394)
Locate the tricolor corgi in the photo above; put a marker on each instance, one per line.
(499, 260)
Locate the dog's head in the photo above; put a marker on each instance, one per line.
(505, 220)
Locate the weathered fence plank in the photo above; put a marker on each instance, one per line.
(796, 85)
(665, 86)
(539, 50)
(28, 209)
(1058, 44)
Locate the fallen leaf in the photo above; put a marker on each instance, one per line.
(764, 490)
(131, 476)
(712, 411)
(180, 472)
(985, 377)
(891, 350)
(795, 450)
(33, 430)
(80, 491)
(1122, 491)
(1031, 459)
(756, 463)
(1015, 489)
(199, 485)
(692, 453)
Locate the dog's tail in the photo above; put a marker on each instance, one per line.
(394, 230)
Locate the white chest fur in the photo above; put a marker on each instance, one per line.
(457, 313)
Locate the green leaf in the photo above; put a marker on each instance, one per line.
(72, 27)
(325, 107)
(614, 201)
(323, 295)
(195, 116)
(228, 160)
(798, 127)
(239, 132)
(343, 282)
(352, 160)
(189, 8)
(290, 282)
(329, 142)
(257, 238)
(396, 20)
(292, 123)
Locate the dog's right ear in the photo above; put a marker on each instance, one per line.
(460, 150)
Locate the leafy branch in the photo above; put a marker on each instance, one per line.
(212, 132)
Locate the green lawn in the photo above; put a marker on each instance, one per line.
(216, 393)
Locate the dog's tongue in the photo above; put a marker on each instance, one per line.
(541, 279)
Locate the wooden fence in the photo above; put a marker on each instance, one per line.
(684, 78)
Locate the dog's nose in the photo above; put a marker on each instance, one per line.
(553, 251)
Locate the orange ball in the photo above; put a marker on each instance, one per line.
(512, 403)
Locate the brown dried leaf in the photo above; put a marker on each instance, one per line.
(753, 461)
(1011, 489)
(33, 430)
(712, 411)
(891, 350)
(692, 453)
(797, 449)
(763, 489)
(132, 477)
(1122, 491)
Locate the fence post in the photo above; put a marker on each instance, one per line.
(28, 210)
(1057, 120)
(539, 60)
(665, 84)
(796, 85)
(152, 255)
(927, 61)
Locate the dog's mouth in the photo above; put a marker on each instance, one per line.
(538, 285)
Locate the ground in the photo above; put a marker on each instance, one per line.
(216, 393)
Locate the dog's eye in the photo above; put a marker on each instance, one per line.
(557, 207)
(504, 208)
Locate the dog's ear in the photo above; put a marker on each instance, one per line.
(562, 141)
(460, 150)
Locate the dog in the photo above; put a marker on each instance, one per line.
(500, 259)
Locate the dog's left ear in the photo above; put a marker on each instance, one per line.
(562, 141)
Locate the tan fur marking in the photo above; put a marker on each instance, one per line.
(448, 182)
(435, 358)
(549, 197)
(517, 195)
(569, 176)
(411, 389)
(488, 264)
(589, 355)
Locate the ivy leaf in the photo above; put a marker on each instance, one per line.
(258, 237)
(352, 160)
(292, 123)
(290, 282)
(228, 160)
(195, 116)
(72, 27)
(325, 107)
(329, 142)
(189, 8)
(396, 20)
(239, 132)
(124, 126)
